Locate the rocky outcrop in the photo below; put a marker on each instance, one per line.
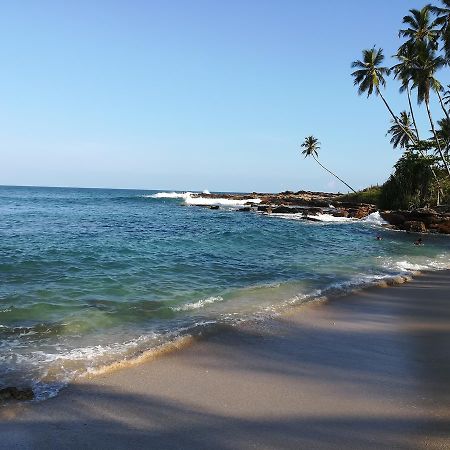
(14, 393)
(419, 220)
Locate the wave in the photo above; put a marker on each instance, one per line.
(374, 219)
(197, 305)
(193, 199)
(441, 262)
(56, 370)
(315, 218)
(169, 195)
(203, 201)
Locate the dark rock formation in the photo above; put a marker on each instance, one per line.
(14, 393)
(415, 226)
(419, 220)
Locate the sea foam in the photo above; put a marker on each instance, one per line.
(204, 201)
(170, 195)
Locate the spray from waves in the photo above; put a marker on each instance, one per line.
(203, 201)
(374, 219)
(193, 199)
(182, 195)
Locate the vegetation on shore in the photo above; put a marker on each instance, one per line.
(421, 176)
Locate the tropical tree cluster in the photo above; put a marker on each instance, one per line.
(423, 171)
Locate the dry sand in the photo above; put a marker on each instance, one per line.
(368, 371)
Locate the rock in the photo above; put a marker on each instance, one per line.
(14, 393)
(245, 209)
(415, 226)
(393, 218)
(285, 210)
(263, 208)
(442, 227)
(214, 207)
(339, 213)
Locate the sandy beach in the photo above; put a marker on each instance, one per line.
(366, 371)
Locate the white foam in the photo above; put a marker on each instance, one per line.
(317, 218)
(205, 191)
(441, 262)
(196, 305)
(374, 219)
(203, 201)
(170, 195)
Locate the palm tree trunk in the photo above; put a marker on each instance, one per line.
(442, 106)
(412, 112)
(436, 138)
(334, 175)
(413, 139)
(422, 152)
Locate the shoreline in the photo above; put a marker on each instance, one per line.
(370, 368)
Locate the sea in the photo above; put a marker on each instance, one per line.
(91, 278)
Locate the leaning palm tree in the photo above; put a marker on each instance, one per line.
(425, 67)
(421, 28)
(403, 71)
(399, 137)
(370, 76)
(311, 147)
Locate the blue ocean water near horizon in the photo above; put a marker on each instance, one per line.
(90, 277)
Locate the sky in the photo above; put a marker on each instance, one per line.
(193, 95)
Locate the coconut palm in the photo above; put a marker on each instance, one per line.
(443, 21)
(425, 67)
(370, 75)
(403, 71)
(443, 133)
(421, 28)
(399, 137)
(311, 147)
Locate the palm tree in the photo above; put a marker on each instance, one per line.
(399, 137)
(370, 76)
(443, 133)
(425, 67)
(311, 147)
(443, 20)
(403, 71)
(421, 28)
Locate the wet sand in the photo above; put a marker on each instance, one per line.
(366, 371)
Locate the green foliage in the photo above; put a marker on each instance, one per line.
(368, 195)
(370, 75)
(400, 137)
(311, 146)
(412, 185)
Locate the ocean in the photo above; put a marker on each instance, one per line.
(93, 277)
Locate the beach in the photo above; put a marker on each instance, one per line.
(366, 371)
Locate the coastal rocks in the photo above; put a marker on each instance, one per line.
(419, 220)
(415, 226)
(286, 210)
(354, 210)
(14, 393)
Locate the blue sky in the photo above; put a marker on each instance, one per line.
(194, 94)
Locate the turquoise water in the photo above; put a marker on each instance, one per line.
(93, 276)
